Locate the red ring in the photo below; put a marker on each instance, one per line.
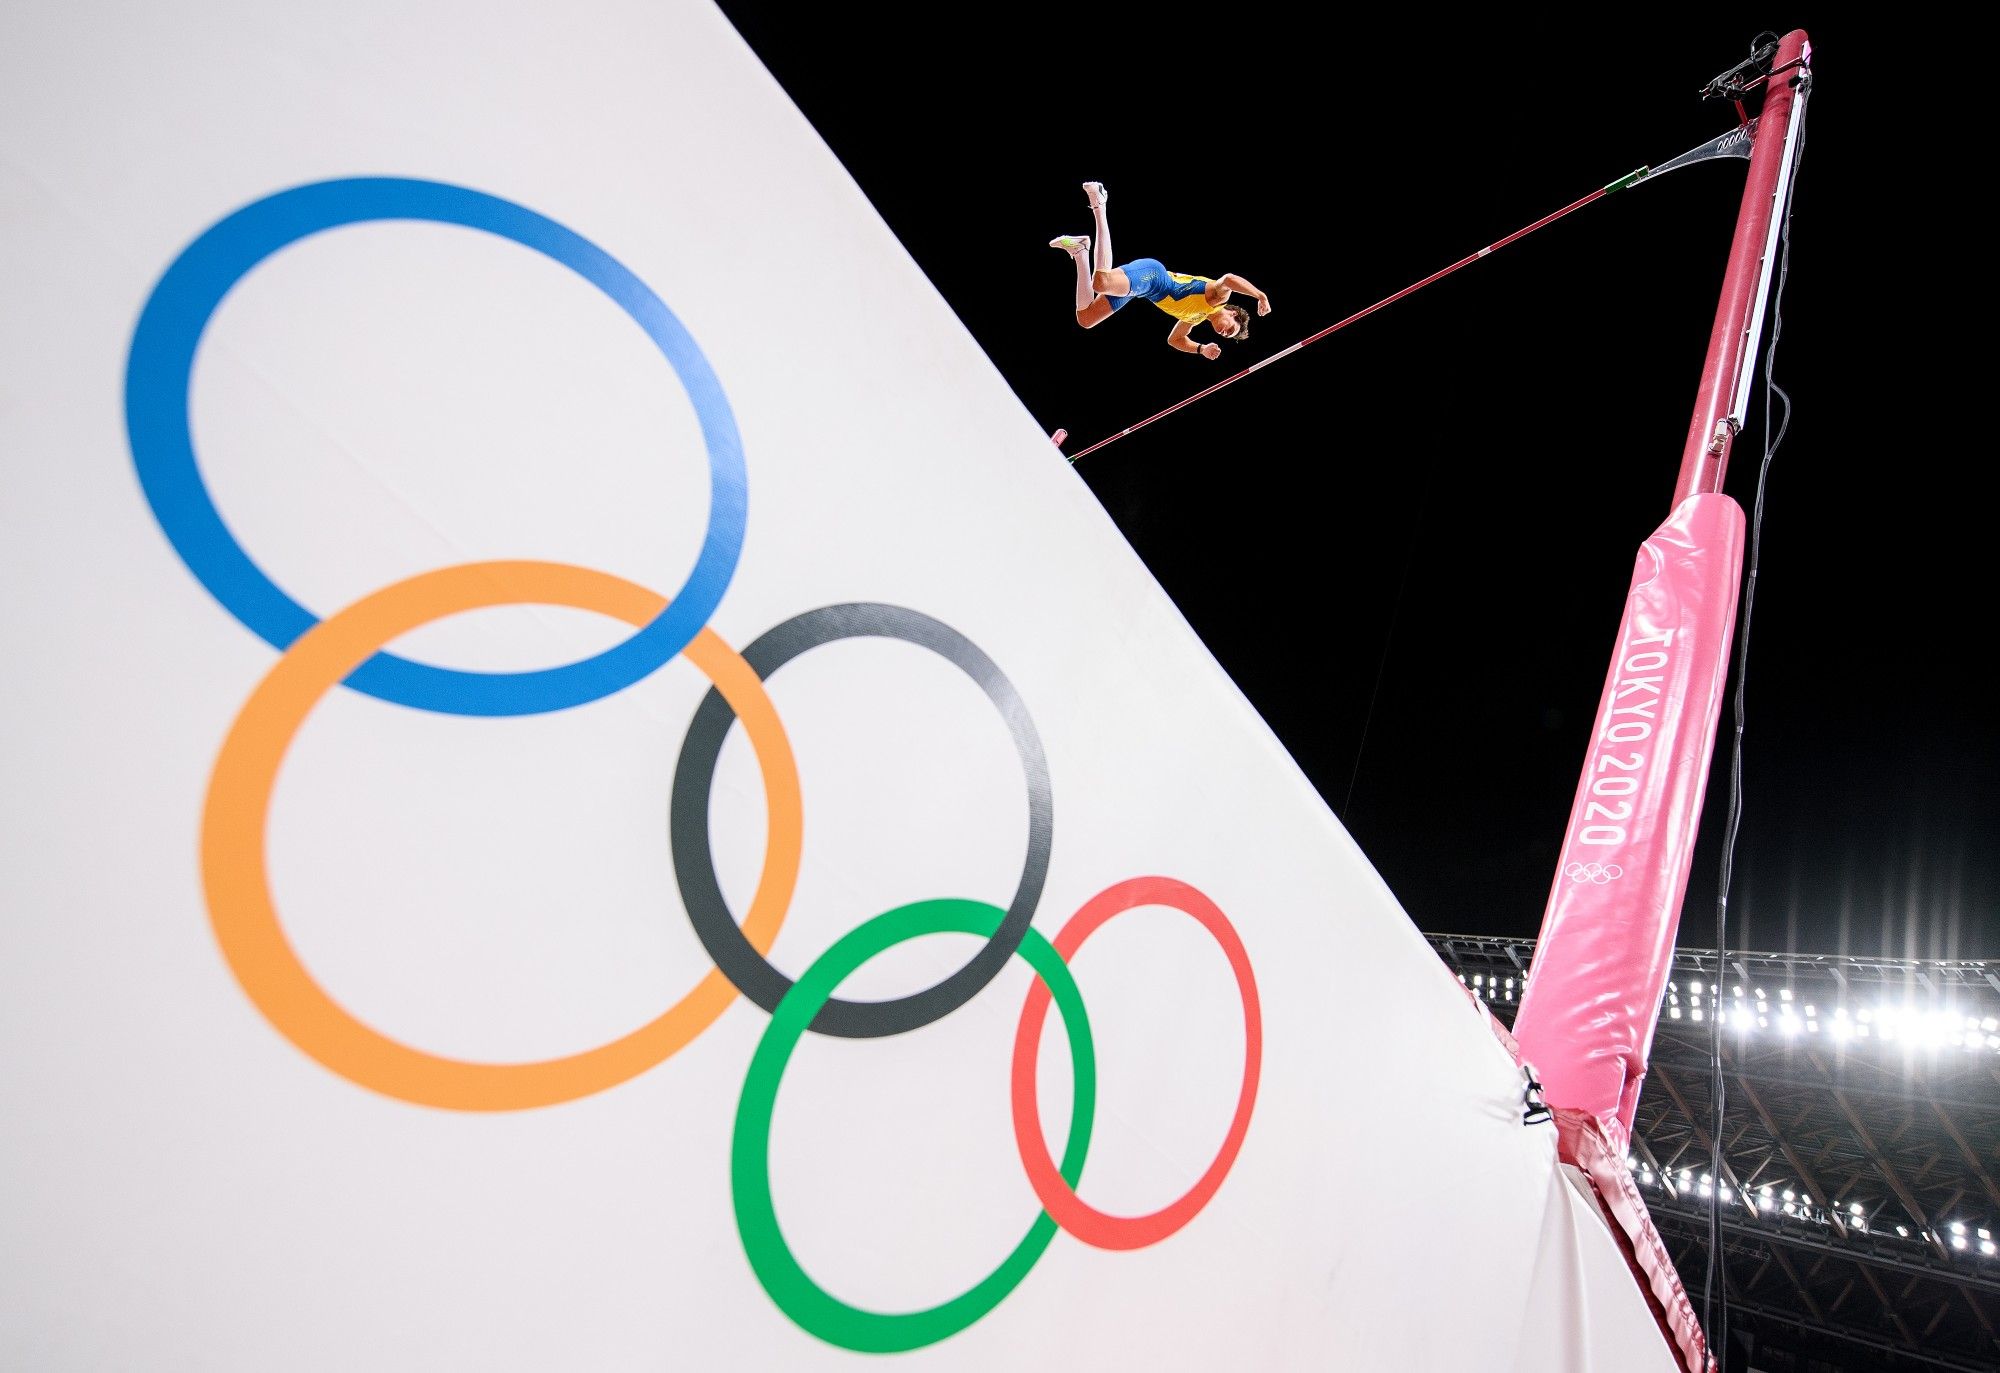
(1070, 1211)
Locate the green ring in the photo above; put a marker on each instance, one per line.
(810, 1306)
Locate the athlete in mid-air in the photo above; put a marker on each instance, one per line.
(1102, 289)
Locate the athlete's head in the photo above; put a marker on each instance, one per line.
(1231, 322)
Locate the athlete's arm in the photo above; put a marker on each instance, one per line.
(1229, 281)
(1179, 341)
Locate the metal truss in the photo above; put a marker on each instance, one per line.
(1861, 1147)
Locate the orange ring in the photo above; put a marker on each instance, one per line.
(234, 873)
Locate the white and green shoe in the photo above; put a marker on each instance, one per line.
(1073, 244)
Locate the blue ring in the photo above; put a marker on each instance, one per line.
(159, 372)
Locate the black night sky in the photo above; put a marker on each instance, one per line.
(1447, 497)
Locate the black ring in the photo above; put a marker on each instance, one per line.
(694, 858)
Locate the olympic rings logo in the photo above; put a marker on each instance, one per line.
(1597, 873)
(347, 648)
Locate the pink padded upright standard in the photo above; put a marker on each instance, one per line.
(1607, 939)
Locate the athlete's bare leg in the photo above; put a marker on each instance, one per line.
(1106, 280)
(1094, 192)
(1091, 308)
(1078, 248)
(1096, 277)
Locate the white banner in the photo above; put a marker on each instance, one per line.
(441, 1019)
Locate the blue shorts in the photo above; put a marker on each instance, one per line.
(1150, 282)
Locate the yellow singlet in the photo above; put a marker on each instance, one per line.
(1193, 307)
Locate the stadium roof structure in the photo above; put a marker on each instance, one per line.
(1860, 1184)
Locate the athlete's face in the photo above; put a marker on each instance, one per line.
(1224, 325)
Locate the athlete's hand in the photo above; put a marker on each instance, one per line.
(1211, 351)
(1264, 305)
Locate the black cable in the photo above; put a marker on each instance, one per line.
(1715, 1283)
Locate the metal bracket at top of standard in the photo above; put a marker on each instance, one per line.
(1747, 75)
(1736, 143)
